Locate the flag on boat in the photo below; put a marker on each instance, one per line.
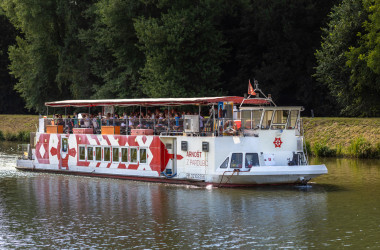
(250, 89)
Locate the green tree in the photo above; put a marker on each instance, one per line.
(47, 59)
(343, 70)
(364, 63)
(112, 40)
(183, 49)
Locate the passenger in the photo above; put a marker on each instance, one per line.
(95, 123)
(161, 119)
(132, 119)
(123, 123)
(69, 124)
(108, 119)
(176, 118)
(148, 114)
(86, 121)
(148, 120)
(75, 120)
(157, 114)
(60, 120)
(116, 120)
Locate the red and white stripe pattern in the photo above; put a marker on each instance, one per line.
(48, 151)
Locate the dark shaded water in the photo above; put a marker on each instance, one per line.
(46, 210)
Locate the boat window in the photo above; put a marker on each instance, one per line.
(124, 154)
(267, 119)
(256, 118)
(115, 154)
(142, 155)
(236, 160)
(246, 119)
(279, 119)
(64, 144)
(225, 163)
(82, 153)
(251, 160)
(292, 123)
(134, 155)
(107, 154)
(90, 153)
(251, 118)
(98, 153)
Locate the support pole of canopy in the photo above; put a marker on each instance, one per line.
(199, 117)
(168, 118)
(213, 117)
(65, 119)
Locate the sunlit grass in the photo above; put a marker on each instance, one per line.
(353, 137)
(16, 123)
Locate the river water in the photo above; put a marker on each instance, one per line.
(61, 211)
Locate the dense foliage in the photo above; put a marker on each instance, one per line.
(161, 48)
(348, 62)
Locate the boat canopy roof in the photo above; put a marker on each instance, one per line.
(158, 101)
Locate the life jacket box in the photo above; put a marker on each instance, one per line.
(83, 131)
(54, 129)
(141, 131)
(110, 130)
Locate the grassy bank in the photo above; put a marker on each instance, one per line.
(17, 127)
(343, 137)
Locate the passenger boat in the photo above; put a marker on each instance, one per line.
(245, 141)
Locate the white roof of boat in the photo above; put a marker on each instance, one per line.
(157, 101)
(274, 108)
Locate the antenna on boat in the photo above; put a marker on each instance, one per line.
(257, 89)
(252, 91)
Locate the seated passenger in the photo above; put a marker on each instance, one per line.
(86, 121)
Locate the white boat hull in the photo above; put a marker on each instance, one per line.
(257, 176)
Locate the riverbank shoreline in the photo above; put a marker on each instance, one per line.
(343, 137)
(325, 136)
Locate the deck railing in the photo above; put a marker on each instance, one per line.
(161, 126)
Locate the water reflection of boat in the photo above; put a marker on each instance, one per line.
(243, 142)
(159, 208)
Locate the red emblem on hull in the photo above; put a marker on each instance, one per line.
(277, 142)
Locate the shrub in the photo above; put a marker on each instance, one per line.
(322, 150)
(308, 147)
(1, 136)
(376, 150)
(360, 148)
(339, 150)
(10, 136)
(23, 136)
